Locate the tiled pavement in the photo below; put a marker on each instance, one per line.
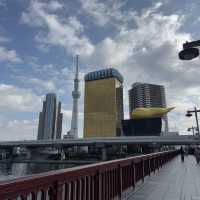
(175, 181)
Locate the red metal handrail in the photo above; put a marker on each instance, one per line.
(101, 181)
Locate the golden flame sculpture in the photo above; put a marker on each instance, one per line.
(142, 113)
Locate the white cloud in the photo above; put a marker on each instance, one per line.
(9, 55)
(18, 130)
(101, 12)
(16, 99)
(54, 5)
(111, 52)
(55, 30)
(45, 84)
(131, 43)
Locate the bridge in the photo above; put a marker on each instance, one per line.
(34, 148)
(157, 176)
(116, 179)
(162, 140)
(153, 176)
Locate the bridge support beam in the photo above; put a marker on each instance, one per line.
(7, 153)
(61, 151)
(104, 155)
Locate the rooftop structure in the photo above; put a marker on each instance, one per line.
(104, 74)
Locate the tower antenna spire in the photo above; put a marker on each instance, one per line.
(77, 59)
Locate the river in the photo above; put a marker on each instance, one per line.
(15, 170)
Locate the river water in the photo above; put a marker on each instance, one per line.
(15, 170)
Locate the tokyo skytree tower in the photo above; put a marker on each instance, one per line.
(75, 95)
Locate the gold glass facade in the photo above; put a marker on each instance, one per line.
(103, 108)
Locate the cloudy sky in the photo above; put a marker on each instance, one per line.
(39, 38)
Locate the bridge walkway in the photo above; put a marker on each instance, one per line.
(175, 181)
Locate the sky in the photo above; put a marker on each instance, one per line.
(40, 38)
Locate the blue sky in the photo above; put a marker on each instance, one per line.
(39, 39)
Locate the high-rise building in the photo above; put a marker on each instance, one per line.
(147, 96)
(103, 110)
(50, 119)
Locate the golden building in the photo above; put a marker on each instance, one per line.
(103, 111)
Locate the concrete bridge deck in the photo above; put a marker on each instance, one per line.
(100, 142)
(175, 181)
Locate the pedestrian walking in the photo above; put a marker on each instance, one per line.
(182, 154)
(197, 154)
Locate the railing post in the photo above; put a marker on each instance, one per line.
(112, 182)
(73, 189)
(84, 188)
(149, 166)
(108, 181)
(159, 162)
(98, 183)
(143, 172)
(119, 181)
(154, 164)
(67, 191)
(57, 190)
(134, 175)
(78, 189)
(92, 187)
(109, 185)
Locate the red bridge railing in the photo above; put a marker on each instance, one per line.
(101, 181)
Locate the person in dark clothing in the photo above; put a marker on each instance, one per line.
(197, 154)
(182, 154)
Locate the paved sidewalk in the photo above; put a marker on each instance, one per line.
(175, 181)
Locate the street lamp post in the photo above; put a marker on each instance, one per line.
(189, 51)
(189, 114)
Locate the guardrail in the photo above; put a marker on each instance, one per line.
(101, 181)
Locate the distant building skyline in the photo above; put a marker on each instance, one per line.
(50, 119)
(103, 105)
(147, 95)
